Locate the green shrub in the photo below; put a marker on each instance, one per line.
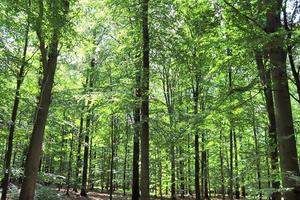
(46, 193)
(41, 193)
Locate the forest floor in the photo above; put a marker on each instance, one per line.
(105, 196)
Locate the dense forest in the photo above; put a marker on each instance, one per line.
(150, 99)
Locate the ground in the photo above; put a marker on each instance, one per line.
(105, 196)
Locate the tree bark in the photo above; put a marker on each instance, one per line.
(90, 82)
(9, 150)
(283, 111)
(222, 166)
(189, 168)
(197, 159)
(78, 160)
(173, 180)
(145, 106)
(125, 158)
(70, 164)
(136, 141)
(230, 139)
(231, 164)
(83, 191)
(181, 168)
(265, 77)
(91, 156)
(112, 137)
(237, 182)
(49, 62)
(258, 173)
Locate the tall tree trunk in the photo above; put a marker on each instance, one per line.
(204, 164)
(181, 176)
(222, 167)
(35, 146)
(189, 168)
(197, 159)
(283, 111)
(206, 175)
(203, 154)
(257, 154)
(62, 152)
(231, 164)
(8, 152)
(33, 156)
(125, 158)
(90, 83)
(230, 139)
(136, 141)
(91, 184)
(237, 181)
(160, 175)
(173, 180)
(155, 172)
(145, 106)
(70, 164)
(49, 62)
(265, 77)
(83, 191)
(112, 137)
(268, 160)
(78, 160)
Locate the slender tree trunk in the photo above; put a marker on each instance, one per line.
(70, 164)
(83, 191)
(112, 137)
(231, 165)
(181, 174)
(91, 184)
(145, 107)
(289, 30)
(222, 167)
(283, 111)
(204, 167)
(258, 173)
(237, 182)
(197, 159)
(78, 160)
(125, 158)
(136, 141)
(268, 160)
(173, 189)
(8, 152)
(293, 67)
(90, 83)
(155, 172)
(230, 138)
(62, 152)
(160, 175)
(265, 77)
(189, 168)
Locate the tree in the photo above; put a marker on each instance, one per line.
(283, 111)
(145, 105)
(20, 78)
(49, 61)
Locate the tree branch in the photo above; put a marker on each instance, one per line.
(245, 16)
